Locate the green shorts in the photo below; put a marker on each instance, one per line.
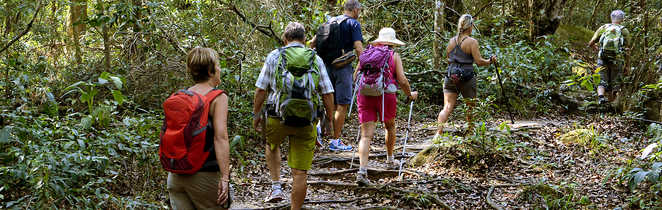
(302, 142)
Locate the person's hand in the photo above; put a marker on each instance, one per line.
(493, 59)
(413, 96)
(257, 120)
(223, 189)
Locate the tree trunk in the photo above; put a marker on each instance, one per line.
(78, 12)
(531, 21)
(645, 29)
(595, 8)
(454, 9)
(438, 30)
(137, 5)
(503, 25)
(546, 16)
(106, 41)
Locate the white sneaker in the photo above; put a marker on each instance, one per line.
(275, 196)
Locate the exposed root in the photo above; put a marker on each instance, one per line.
(491, 202)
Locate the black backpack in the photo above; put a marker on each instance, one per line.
(328, 41)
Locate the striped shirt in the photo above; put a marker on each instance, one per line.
(267, 82)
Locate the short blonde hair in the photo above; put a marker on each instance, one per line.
(464, 23)
(201, 63)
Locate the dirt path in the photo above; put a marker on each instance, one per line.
(537, 171)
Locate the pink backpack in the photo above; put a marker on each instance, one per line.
(374, 79)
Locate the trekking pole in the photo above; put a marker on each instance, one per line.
(503, 93)
(404, 146)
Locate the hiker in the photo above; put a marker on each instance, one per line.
(614, 39)
(462, 51)
(336, 41)
(199, 180)
(292, 80)
(381, 106)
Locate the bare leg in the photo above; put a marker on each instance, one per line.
(470, 106)
(339, 121)
(367, 131)
(390, 136)
(449, 104)
(273, 162)
(299, 187)
(601, 91)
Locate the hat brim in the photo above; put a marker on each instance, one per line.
(389, 42)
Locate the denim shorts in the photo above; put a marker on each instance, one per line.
(342, 83)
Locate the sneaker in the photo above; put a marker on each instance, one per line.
(602, 100)
(394, 164)
(275, 196)
(337, 145)
(362, 180)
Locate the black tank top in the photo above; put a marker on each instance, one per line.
(457, 57)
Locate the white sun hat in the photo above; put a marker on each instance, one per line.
(387, 36)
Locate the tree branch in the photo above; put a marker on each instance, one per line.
(266, 30)
(27, 29)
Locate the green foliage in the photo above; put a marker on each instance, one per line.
(562, 196)
(51, 161)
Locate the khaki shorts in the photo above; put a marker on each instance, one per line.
(467, 89)
(302, 142)
(197, 191)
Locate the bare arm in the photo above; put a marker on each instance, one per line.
(475, 52)
(260, 95)
(221, 143)
(327, 99)
(595, 36)
(358, 46)
(400, 75)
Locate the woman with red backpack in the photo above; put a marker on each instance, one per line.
(194, 144)
(378, 75)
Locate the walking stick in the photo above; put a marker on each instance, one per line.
(503, 93)
(404, 146)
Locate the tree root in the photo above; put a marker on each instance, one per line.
(491, 202)
(388, 188)
(288, 205)
(329, 173)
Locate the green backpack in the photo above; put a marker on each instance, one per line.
(296, 77)
(611, 40)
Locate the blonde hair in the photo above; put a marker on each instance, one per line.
(465, 23)
(201, 63)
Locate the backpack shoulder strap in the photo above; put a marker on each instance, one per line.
(211, 95)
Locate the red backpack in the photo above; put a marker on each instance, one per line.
(187, 135)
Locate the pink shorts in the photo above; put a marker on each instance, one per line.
(370, 107)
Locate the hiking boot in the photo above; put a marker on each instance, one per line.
(337, 145)
(362, 180)
(275, 196)
(393, 164)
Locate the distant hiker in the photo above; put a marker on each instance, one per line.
(462, 51)
(294, 83)
(194, 138)
(379, 73)
(335, 42)
(614, 39)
